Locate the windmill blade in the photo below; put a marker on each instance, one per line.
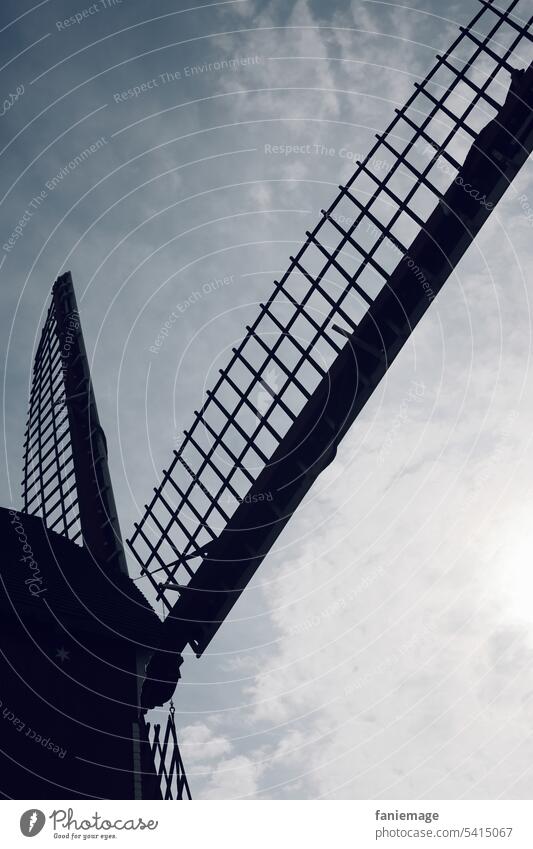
(49, 484)
(336, 320)
(66, 477)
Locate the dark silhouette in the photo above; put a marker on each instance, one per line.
(83, 654)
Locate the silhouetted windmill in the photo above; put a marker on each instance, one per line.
(334, 323)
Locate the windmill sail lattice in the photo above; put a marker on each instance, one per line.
(167, 759)
(49, 483)
(66, 475)
(295, 383)
(344, 304)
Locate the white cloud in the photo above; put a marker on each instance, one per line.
(200, 745)
(385, 646)
(235, 778)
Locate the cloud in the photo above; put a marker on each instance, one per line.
(384, 647)
(200, 745)
(235, 778)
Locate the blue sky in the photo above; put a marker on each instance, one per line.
(384, 649)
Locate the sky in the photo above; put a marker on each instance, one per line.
(384, 649)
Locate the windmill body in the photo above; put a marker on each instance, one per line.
(69, 670)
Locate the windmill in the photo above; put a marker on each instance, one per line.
(295, 383)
